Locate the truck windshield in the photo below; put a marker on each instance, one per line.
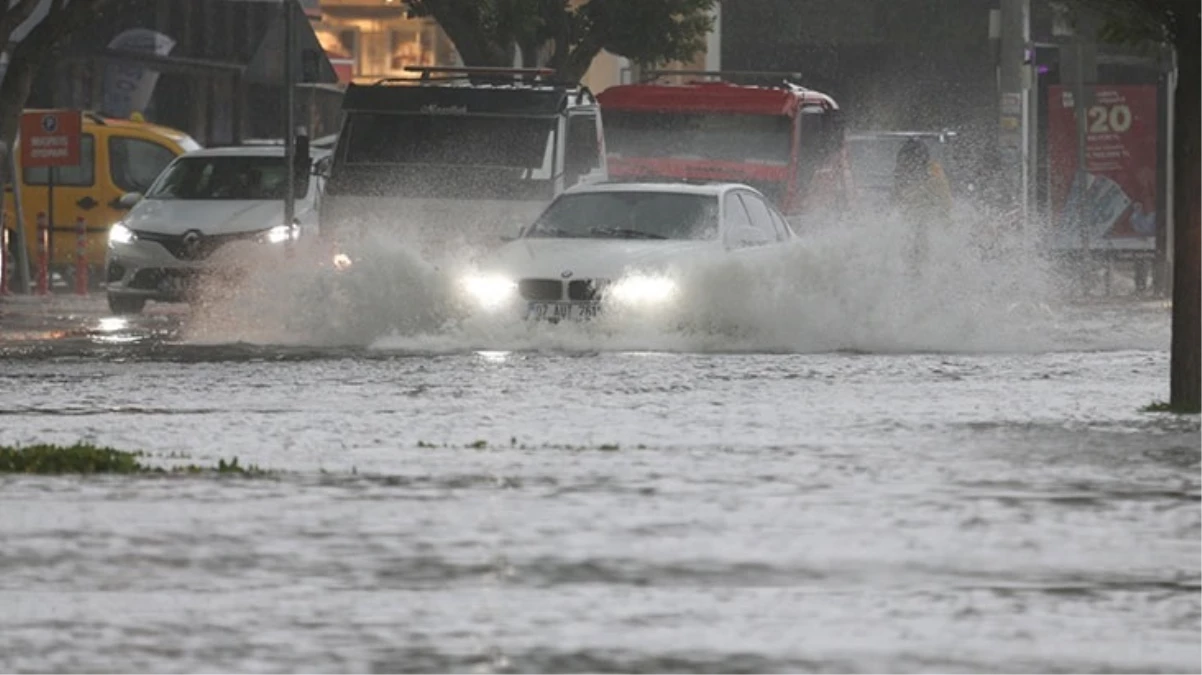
(426, 156)
(226, 177)
(714, 136)
(453, 140)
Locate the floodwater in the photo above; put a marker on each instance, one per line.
(876, 476)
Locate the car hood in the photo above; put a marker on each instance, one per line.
(210, 216)
(590, 258)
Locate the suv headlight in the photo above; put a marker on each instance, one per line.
(120, 234)
(642, 290)
(281, 234)
(490, 291)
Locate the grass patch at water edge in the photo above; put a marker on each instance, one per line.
(85, 458)
(1166, 407)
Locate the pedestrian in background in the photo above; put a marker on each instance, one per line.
(920, 195)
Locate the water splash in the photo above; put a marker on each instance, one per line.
(847, 286)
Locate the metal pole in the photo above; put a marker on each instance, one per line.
(50, 217)
(19, 227)
(289, 112)
(1013, 25)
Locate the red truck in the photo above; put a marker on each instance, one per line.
(783, 139)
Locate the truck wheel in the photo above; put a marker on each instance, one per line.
(126, 304)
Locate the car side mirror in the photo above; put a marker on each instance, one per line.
(513, 231)
(128, 200)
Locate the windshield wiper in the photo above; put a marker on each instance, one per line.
(552, 232)
(624, 232)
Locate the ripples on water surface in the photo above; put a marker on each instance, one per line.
(634, 506)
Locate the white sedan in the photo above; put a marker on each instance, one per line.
(618, 246)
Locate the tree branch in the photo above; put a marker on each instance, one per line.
(11, 18)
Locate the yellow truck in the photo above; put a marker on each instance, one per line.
(117, 156)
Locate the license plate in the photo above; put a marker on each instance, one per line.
(562, 311)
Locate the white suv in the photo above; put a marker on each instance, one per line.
(218, 198)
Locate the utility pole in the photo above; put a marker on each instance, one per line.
(1014, 83)
(289, 111)
(1078, 63)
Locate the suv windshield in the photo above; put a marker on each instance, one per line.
(630, 215)
(232, 177)
(761, 138)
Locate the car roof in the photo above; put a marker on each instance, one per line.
(711, 189)
(252, 151)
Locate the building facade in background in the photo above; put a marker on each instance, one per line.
(375, 39)
(367, 40)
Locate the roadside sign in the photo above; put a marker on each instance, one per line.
(50, 138)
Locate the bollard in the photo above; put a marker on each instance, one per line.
(43, 282)
(5, 262)
(81, 256)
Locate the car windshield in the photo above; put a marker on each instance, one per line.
(226, 177)
(630, 215)
(729, 137)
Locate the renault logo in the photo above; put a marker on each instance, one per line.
(191, 243)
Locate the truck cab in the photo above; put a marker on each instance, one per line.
(458, 156)
(779, 137)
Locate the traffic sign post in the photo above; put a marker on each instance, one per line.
(50, 139)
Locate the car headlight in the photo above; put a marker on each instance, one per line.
(490, 291)
(281, 234)
(120, 234)
(642, 290)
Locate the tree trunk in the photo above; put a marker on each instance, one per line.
(1186, 367)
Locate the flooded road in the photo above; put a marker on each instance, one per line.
(594, 509)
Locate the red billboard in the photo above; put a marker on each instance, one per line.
(1115, 199)
(50, 138)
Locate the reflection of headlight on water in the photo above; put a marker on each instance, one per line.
(490, 291)
(642, 290)
(120, 234)
(281, 234)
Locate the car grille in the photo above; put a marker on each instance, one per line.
(547, 290)
(203, 248)
(586, 290)
(149, 279)
(551, 290)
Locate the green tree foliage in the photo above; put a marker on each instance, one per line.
(566, 35)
